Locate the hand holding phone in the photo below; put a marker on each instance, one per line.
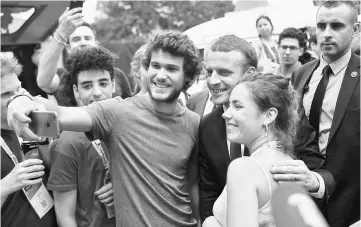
(44, 123)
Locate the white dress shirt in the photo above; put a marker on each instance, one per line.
(329, 103)
(209, 104)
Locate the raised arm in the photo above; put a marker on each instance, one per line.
(47, 78)
(70, 118)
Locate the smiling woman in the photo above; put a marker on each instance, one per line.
(262, 115)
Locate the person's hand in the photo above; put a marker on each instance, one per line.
(105, 194)
(17, 116)
(25, 173)
(211, 221)
(296, 171)
(69, 21)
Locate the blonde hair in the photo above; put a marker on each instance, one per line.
(9, 64)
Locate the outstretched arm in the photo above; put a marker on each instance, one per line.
(70, 118)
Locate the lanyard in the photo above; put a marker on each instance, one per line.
(98, 147)
(8, 151)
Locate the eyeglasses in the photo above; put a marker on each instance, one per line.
(292, 48)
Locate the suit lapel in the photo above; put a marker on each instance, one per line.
(305, 79)
(221, 134)
(348, 86)
(202, 103)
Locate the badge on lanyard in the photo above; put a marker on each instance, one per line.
(107, 178)
(37, 195)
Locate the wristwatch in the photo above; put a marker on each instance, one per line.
(15, 96)
(45, 142)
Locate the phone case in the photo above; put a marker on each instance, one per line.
(75, 4)
(45, 124)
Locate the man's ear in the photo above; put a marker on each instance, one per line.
(301, 50)
(113, 86)
(355, 29)
(250, 70)
(76, 92)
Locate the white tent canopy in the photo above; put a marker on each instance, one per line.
(284, 14)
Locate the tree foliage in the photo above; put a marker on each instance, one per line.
(132, 20)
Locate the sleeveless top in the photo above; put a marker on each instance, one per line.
(265, 216)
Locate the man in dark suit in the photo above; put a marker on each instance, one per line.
(201, 103)
(228, 60)
(330, 103)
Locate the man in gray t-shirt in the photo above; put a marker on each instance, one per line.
(150, 137)
(153, 153)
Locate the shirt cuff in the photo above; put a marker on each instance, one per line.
(321, 191)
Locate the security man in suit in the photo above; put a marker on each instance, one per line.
(330, 104)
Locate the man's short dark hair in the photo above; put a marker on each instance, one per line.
(292, 33)
(334, 4)
(90, 58)
(230, 43)
(179, 45)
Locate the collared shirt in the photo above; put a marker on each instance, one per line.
(329, 102)
(209, 104)
(229, 142)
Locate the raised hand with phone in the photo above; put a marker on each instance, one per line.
(70, 20)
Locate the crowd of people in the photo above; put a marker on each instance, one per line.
(138, 150)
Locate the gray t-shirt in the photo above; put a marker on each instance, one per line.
(76, 165)
(150, 154)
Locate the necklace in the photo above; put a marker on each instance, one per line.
(269, 144)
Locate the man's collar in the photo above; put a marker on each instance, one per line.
(337, 65)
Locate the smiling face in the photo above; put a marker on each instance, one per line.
(334, 31)
(166, 77)
(93, 85)
(244, 121)
(224, 69)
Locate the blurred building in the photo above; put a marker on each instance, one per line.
(246, 5)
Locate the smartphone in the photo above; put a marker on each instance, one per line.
(45, 123)
(75, 4)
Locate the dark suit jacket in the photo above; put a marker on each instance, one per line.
(343, 148)
(197, 102)
(214, 160)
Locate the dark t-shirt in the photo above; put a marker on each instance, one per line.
(78, 166)
(17, 211)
